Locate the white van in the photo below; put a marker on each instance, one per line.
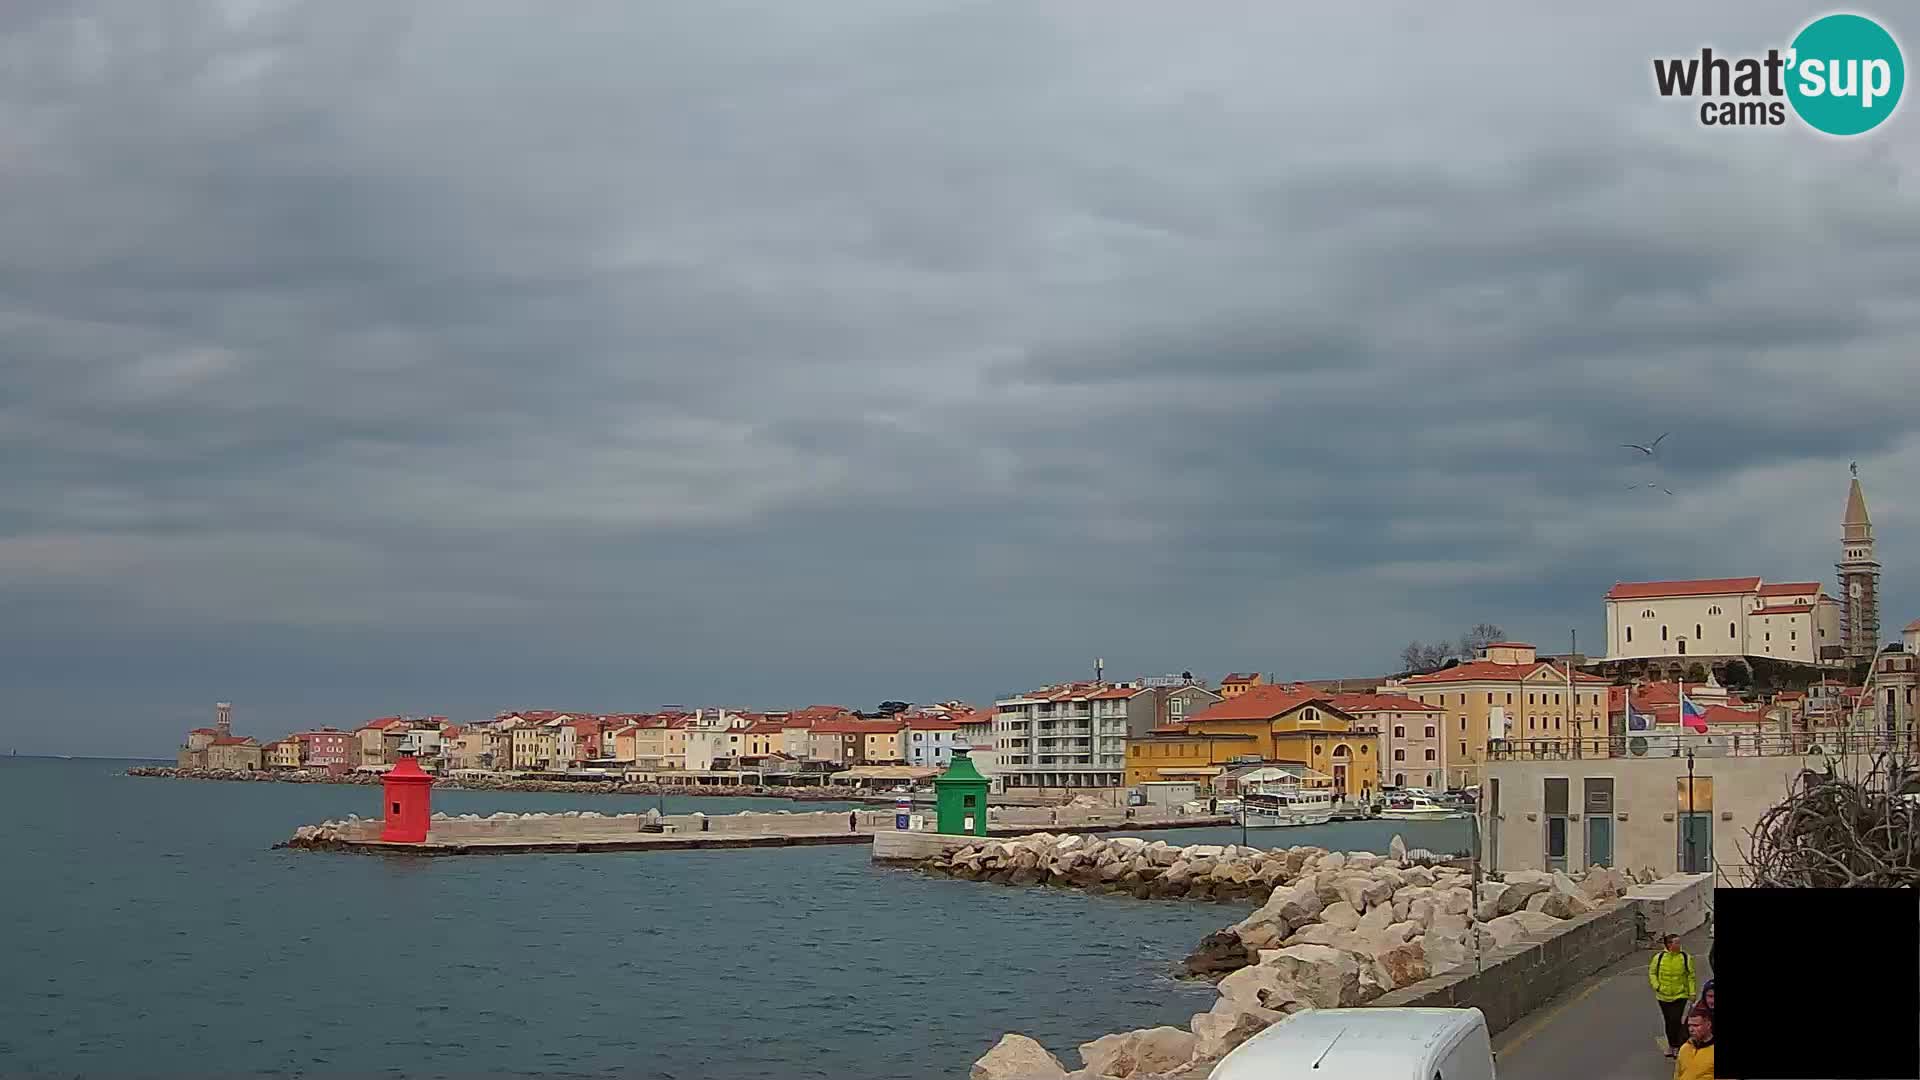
(1366, 1044)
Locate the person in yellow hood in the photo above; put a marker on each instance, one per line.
(1696, 1057)
(1674, 986)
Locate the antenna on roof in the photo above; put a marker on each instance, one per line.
(1099, 668)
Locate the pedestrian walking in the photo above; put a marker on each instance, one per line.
(1675, 985)
(853, 821)
(1696, 1055)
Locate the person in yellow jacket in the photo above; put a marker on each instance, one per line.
(1696, 1057)
(1674, 986)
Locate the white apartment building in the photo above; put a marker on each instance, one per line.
(1718, 618)
(1073, 735)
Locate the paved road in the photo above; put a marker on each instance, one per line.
(1607, 1028)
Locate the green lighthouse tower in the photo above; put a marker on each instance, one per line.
(960, 796)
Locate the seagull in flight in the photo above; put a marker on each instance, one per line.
(1647, 449)
(1651, 484)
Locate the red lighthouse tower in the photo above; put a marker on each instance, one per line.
(408, 797)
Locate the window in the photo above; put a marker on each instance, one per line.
(1714, 610)
(1431, 731)
(1530, 700)
(1429, 753)
(1529, 723)
(1793, 635)
(1463, 723)
(1399, 779)
(1463, 748)
(1769, 635)
(1696, 632)
(1399, 753)
(1730, 630)
(1399, 731)
(1509, 697)
(1364, 749)
(1629, 633)
(1556, 699)
(1489, 697)
(1463, 699)
(1647, 614)
(1663, 632)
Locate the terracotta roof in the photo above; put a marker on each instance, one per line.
(1912, 626)
(203, 731)
(1648, 590)
(1238, 677)
(1715, 714)
(977, 716)
(930, 724)
(383, 723)
(451, 731)
(234, 740)
(1259, 703)
(856, 727)
(1789, 588)
(1182, 729)
(1488, 671)
(1362, 703)
(1113, 693)
(767, 727)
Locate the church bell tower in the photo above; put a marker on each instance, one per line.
(1859, 579)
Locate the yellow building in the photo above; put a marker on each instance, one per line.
(1236, 684)
(1509, 693)
(881, 747)
(764, 738)
(660, 747)
(1274, 724)
(284, 754)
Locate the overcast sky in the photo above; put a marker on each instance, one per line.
(443, 357)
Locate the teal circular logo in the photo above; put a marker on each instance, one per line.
(1845, 74)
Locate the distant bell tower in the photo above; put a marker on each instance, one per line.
(223, 718)
(1859, 578)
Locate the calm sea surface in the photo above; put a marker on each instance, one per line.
(146, 928)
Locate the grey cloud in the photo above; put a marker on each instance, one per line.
(356, 358)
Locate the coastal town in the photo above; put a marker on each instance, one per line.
(1729, 671)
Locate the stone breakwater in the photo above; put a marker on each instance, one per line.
(574, 826)
(1333, 930)
(482, 783)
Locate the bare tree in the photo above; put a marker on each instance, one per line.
(1481, 636)
(1420, 657)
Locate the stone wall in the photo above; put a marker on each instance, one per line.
(1513, 980)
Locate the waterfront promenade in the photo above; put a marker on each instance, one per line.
(1608, 1024)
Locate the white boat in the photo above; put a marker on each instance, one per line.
(1406, 806)
(1269, 806)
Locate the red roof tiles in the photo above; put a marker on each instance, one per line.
(1789, 588)
(1649, 590)
(1366, 703)
(1259, 703)
(1487, 670)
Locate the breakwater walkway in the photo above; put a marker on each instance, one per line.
(509, 834)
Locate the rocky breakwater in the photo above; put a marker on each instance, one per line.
(1147, 870)
(1334, 930)
(334, 835)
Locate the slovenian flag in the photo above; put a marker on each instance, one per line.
(1639, 721)
(1693, 715)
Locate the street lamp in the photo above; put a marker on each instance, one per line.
(1686, 829)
